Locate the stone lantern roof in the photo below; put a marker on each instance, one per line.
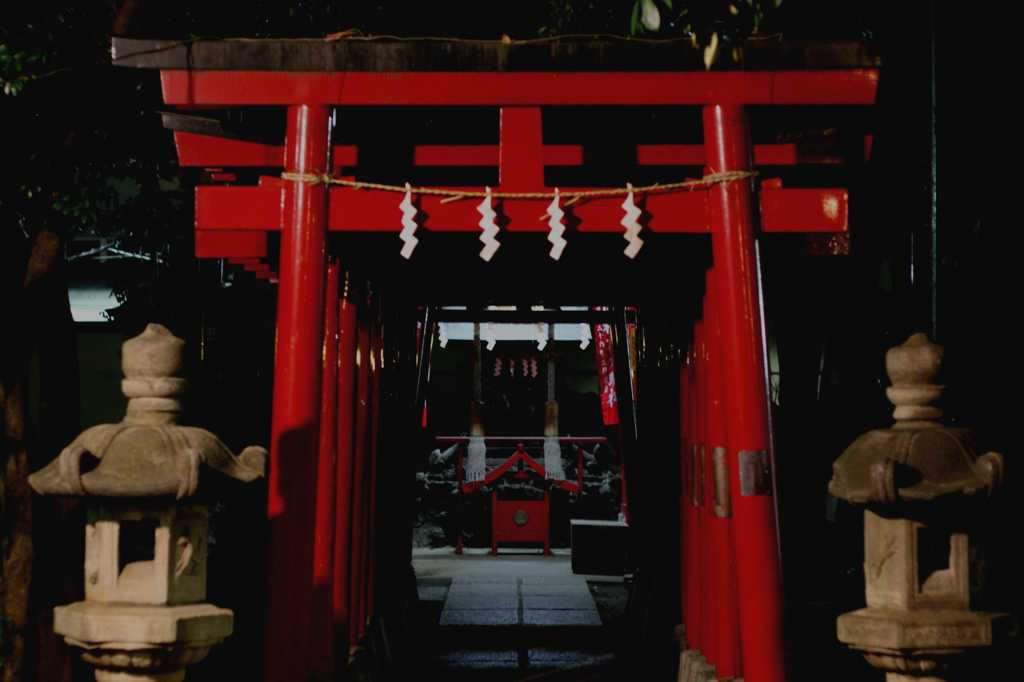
(147, 454)
(918, 459)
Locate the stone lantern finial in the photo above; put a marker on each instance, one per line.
(143, 619)
(913, 368)
(147, 454)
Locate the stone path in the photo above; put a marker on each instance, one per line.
(529, 601)
(510, 617)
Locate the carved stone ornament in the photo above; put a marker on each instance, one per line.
(147, 454)
(145, 537)
(918, 459)
(912, 480)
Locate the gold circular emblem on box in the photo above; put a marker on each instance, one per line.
(521, 517)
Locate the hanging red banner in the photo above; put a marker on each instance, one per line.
(606, 373)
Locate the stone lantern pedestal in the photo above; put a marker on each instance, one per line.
(920, 483)
(143, 619)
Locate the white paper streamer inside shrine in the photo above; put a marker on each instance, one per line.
(463, 331)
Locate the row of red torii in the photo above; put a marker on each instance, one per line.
(305, 203)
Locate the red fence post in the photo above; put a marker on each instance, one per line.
(688, 545)
(373, 455)
(702, 640)
(345, 482)
(323, 549)
(296, 402)
(360, 476)
(759, 574)
(726, 635)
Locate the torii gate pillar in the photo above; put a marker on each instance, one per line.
(755, 544)
(295, 425)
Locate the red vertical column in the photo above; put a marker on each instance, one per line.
(691, 551)
(323, 548)
(684, 439)
(726, 635)
(345, 482)
(755, 546)
(376, 369)
(702, 641)
(360, 476)
(296, 402)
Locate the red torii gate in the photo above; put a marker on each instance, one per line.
(312, 77)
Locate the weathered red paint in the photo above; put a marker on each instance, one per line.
(345, 481)
(195, 149)
(755, 545)
(702, 640)
(685, 371)
(326, 493)
(237, 88)
(693, 155)
(376, 369)
(487, 155)
(691, 563)
(229, 209)
(361, 477)
(804, 210)
(537, 527)
(230, 243)
(726, 626)
(296, 401)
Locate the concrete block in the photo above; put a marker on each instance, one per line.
(599, 547)
(432, 593)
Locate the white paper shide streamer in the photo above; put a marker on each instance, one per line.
(408, 233)
(442, 334)
(542, 336)
(629, 221)
(489, 330)
(557, 228)
(489, 228)
(585, 335)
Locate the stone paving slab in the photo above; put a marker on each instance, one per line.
(483, 579)
(482, 591)
(483, 665)
(557, 590)
(432, 593)
(485, 617)
(552, 580)
(478, 655)
(543, 657)
(550, 617)
(546, 601)
(481, 601)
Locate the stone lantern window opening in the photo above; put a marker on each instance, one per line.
(136, 542)
(145, 554)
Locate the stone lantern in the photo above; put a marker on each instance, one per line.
(920, 484)
(145, 479)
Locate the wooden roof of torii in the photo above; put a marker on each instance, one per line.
(220, 72)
